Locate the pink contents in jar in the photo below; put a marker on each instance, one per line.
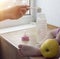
(25, 38)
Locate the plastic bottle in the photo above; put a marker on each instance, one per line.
(41, 26)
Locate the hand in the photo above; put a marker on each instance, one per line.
(55, 34)
(13, 13)
(17, 12)
(28, 51)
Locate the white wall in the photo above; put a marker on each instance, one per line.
(51, 8)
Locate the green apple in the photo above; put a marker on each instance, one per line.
(49, 48)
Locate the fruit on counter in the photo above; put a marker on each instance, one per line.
(25, 38)
(49, 48)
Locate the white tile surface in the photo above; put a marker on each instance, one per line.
(14, 38)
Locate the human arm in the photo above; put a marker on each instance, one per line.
(13, 13)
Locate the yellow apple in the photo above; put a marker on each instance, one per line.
(49, 48)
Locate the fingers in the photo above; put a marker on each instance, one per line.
(58, 38)
(19, 52)
(29, 51)
(20, 11)
(24, 9)
(24, 6)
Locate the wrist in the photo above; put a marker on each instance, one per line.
(2, 16)
(6, 15)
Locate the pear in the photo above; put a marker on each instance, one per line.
(49, 48)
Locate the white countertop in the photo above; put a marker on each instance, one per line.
(16, 28)
(14, 38)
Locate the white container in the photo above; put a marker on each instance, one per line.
(41, 26)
